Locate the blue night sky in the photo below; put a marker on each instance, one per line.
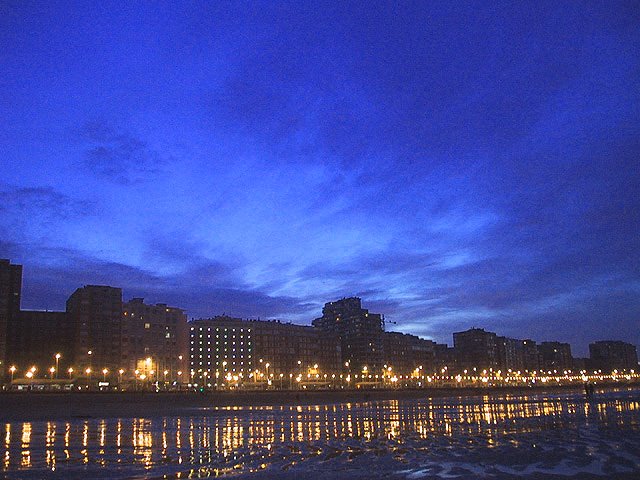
(455, 166)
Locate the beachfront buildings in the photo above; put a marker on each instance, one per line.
(406, 353)
(95, 314)
(609, 355)
(10, 289)
(225, 351)
(476, 350)
(359, 332)
(154, 339)
(555, 356)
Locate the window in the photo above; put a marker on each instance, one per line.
(147, 326)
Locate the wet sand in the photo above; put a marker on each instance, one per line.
(59, 406)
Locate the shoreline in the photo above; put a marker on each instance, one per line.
(24, 407)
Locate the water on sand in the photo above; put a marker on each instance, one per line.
(498, 436)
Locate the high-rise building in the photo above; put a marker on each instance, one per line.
(95, 313)
(405, 353)
(154, 337)
(530, 356)
(476, 349)
(358, 331)
(294, 349)
(220, 349)
(609, 355)
(40, 336)
(510, 354)
(10, 289)
(555, 357)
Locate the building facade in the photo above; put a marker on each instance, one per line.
(95, 314)
(220, 349)
(405, 353)
(154, 339)
(476, 350)
(555, 357)
(609, 355)
(10, 290)
(359, 332)
(43, 340)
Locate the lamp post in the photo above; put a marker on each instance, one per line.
(104, 374)
(70, 372)
(88, 372)
(57, 357)
(12, 369)
(120, 372)
(266, 366)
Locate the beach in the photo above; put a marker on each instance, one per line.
(462, 434)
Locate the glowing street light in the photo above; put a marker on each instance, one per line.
(52, 370)
(70, 371)
(12, 369)
(57, 357)
(104, 374)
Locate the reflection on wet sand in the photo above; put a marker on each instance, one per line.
(241, 439)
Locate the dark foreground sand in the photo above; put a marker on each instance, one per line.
(60, 406)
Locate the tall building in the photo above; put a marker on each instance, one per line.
(156, 332)
(405, 353)
(358, 331)
(10, 289)
(95, 313)
(295, 349)
(530, 356)
(36, 340)
(255, 350)
(609, 355)
(510, 354)
(476, 349)
(555, 357)
(219, 348)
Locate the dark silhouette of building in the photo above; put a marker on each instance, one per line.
(258, 351)
(38, 337)
(95, 313)
(609, 355)
(476, 349)
(358, 331)
(405, 353)
(10, 289)
(530, 356)
(510, 354)
(156, 332)
(555, 357)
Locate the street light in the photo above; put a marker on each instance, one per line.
(57, 357)
(266, 365)
(104, 374)
(70, 371)
(120, 372)
(52, 370)
(12, 369)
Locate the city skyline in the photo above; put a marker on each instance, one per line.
(580, 351)
(261, 160)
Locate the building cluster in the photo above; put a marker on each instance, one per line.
(100, 338)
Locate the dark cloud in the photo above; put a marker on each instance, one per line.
(201, 290)
(42, 202)
(118, 155)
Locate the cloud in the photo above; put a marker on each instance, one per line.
(51, 275)
(45, 202)
(118, 155)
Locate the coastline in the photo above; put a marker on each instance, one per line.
(22, 407)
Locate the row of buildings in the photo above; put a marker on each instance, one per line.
(101, 336)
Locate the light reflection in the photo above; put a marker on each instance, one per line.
(225, 437)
